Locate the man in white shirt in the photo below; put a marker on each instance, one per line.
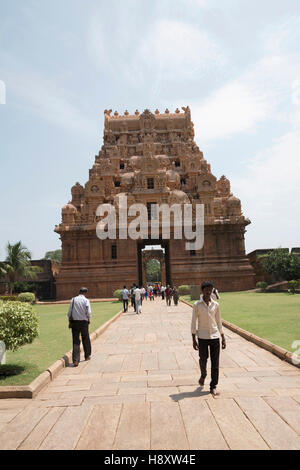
(207, 325)
(125, 294)
(138, 300)
(79, 315)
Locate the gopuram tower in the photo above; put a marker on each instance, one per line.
(151, 158)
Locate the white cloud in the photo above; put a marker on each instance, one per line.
(261, 93)
(270, 189)
(42, 96)
(164, 50)
(178, 47)
(232, 109)
(282, 36)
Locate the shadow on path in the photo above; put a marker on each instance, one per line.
(196, 393)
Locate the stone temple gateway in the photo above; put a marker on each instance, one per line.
(151, 158)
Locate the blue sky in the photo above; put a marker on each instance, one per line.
(235, 63)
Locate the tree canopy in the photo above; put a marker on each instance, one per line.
(283, 265)
(18, 264)
(153, 270)
(54, 255)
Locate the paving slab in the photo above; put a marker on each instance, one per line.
(100, 430)
(201, 427)
(167, 427)
(134, 427)
(42, 429)
(288, 410)
(140, 391)
(17, 430)
(65, 433)
(275, 431)
(239, 433)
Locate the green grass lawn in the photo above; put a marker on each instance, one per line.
(275, 317)
(54, 340)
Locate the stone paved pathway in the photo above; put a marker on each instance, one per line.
(140, 391)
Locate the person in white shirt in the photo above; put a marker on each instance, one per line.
(207, 325)
(79, 315)
(138, 300)
(215, 294)
(125, 295)
(143, 291)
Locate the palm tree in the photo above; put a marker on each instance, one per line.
(2, 270)
(17, 264)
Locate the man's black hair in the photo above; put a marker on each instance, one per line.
(207, 284)
(83, 290)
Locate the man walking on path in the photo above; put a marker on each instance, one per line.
(175, 295)
(138, 300)
(207, 324)
(132, 295)
(79, 319)
(168, 293)
(125, 294)
(151, 294)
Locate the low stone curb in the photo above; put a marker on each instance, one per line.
(282, 353)
(31, 390)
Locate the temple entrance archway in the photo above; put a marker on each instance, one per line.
(151, 255)
(159, 253)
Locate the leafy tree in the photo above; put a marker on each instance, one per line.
(283, 265)
(184, 289)
(118, 294)
(21, 286)
(262, 286)
(293, 286)
(2, 270)
(18, 324)
(27, 297)
(17, 264)
(153, 270)
(55, 255)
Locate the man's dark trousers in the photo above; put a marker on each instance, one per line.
(125, 305)
(214, 347)
(80, 327)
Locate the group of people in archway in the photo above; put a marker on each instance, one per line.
(137, 294)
